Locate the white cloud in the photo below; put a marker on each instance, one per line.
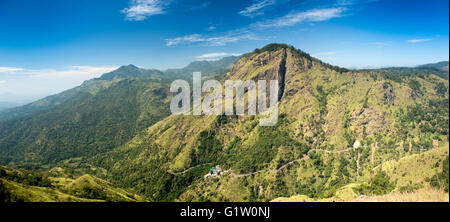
(10, 69)
(218, 40)
(257, 8)
(328, 56)
(248, 33)
(31, 84)
(380, 43)
(209, 59)
(142, 9)
(314, 15)
(215, 55)
(199, 6)
(345, 2)
(2, 81)
(85, 72)
(212, 55)
(418, 40)
(353, 2)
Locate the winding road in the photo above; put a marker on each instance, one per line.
(186, 170)
(264, 170)
(286, 164)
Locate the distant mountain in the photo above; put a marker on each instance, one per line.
(131, 71)
(440, 65)
(440, 69)
(92, 118)
(208, 68)
(8, 105)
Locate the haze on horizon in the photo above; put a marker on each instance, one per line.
(50, 46)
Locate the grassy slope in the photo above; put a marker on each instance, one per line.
(86, 188)
(93, 118)
(413, 170)
(426, 194)
(322, 108)
(86, 124)
(23, 193)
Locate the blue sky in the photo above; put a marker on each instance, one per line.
(47, 46)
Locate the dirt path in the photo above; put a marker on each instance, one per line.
(286, 164)
(264, 170)
(267, 170)
(333, 151)
(186, 170)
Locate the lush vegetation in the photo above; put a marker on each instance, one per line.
(84, 125)
(26, 186)
(440, 180)
(93, 118)
(418, 71)
(29, 178)
(118, 128)
(380, 184)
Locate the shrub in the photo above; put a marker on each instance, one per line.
(380, 184)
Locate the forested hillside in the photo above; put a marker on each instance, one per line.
(93, 118)
(336, 129)
(324, 110)
(57, 185)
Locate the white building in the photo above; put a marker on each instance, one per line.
(357, 144)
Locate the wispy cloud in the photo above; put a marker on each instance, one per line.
(380, 44)
(142, 9)
(84, 72)
(213, 40)
(73, 71)
(325, 55)
(215, 55)
(353, 2)
(257, 8)
(200, 6)
(314, 15)
(2, 81)
(26, 84)
(418, 40)
(10, 69)
(250, 32)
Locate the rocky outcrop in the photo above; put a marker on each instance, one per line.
(388, 92)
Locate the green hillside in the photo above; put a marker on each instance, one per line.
(417, 177)
(93, 118)
(420, 71)
(28, 186)
(439, 69)
(118, 128)
(323, 111)
(90, 122)
(439, 65)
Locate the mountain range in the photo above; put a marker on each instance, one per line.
(341, 135)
